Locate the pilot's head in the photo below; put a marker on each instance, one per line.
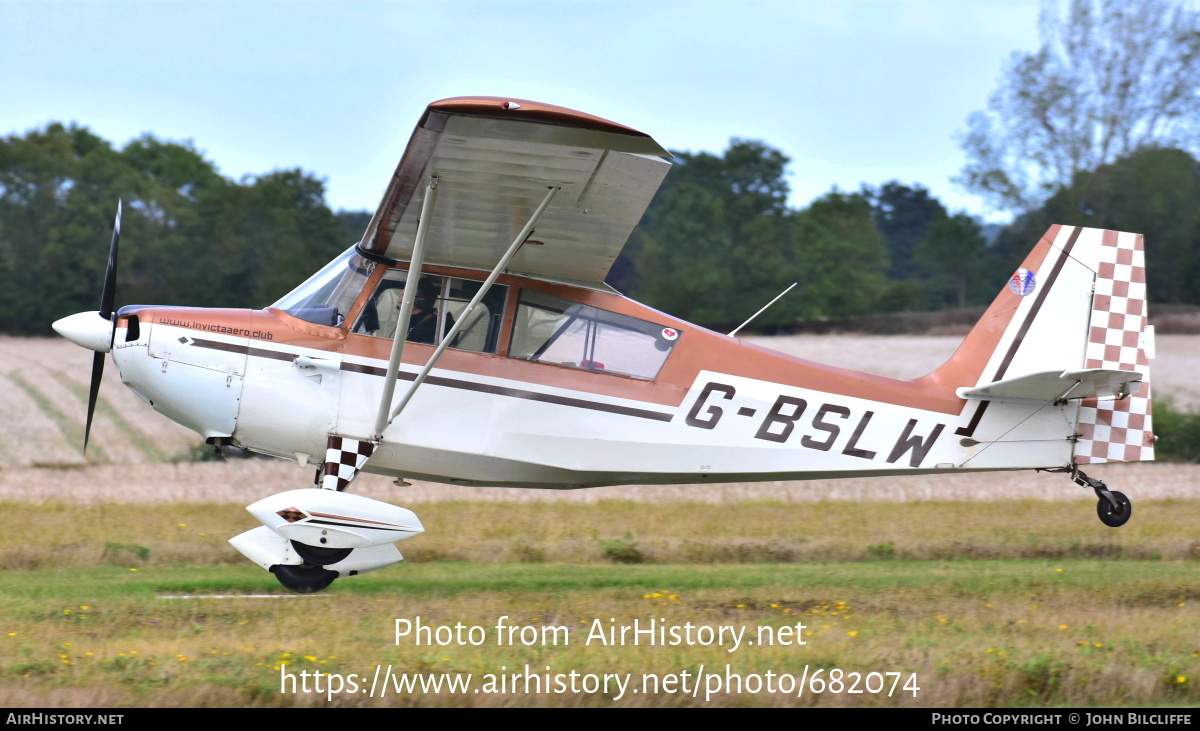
(426, 296)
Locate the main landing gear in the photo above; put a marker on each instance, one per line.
(303, 579)
(320, 555)
(310, 576)
(310, 537)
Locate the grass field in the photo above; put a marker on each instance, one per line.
(1029, 603)
(993, 589)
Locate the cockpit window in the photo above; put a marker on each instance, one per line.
(551, 329)
(439, 303)
(327, 296)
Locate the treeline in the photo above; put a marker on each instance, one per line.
(189, 235)
(717, 242)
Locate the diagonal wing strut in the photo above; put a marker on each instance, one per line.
(383, 419)
(406, 305)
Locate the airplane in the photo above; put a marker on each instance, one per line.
(520, 367)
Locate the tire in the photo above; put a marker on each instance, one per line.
(1115, 518)
(303, 579)
(320, 555)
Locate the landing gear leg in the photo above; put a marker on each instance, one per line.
(1113, 507)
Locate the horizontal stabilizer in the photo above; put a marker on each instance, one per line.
(1097, 383)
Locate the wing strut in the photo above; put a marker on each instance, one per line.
(458, 325)
(406, 304)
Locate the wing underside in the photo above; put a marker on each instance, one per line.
(494, 161)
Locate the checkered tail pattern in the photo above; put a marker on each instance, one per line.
(344, 457)
(1117, 430)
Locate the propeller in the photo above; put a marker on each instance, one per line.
(108, 294)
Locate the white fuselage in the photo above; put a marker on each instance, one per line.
(472, 429)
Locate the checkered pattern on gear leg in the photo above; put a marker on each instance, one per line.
(344, 457)
(1117, 431)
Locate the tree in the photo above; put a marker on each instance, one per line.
(352, 225)
(683, 265)
(167, 252)
(1154, 192)
(840, 256)
(189, 236)
(950, 253)
(290, 230)
(718, 242)
(1111, 77)
(57, 199)
(903, 214)
(711, 247)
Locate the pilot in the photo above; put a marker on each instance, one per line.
(423, 325)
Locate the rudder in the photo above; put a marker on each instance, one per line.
(1118, 338)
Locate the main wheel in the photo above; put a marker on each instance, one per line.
(303, 579)
(320, 555)
(1114, 517)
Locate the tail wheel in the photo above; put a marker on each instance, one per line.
(1118, 516)
(320, 555)
(303, 579)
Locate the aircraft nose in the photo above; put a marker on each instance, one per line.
(87, 329)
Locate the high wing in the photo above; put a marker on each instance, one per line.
(494, 160)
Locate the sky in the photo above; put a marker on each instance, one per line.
(853, 91)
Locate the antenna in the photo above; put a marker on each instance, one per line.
(764, 309)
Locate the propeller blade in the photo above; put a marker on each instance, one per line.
(93, 394)
(110, 276)
(106, 311)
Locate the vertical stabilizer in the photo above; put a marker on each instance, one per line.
(1076, 304)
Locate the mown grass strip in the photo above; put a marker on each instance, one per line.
(1128, 581)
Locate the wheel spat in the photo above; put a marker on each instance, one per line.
(320, 555)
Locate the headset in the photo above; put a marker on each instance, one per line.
(426, 297)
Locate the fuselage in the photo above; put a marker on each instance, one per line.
(660, 402)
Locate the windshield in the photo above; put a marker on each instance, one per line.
(326, 297)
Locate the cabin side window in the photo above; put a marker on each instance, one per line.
(550, 329)
(439, 304)
(326, 297)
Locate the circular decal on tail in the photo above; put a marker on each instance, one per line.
(1022, 282)
(670, 333)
